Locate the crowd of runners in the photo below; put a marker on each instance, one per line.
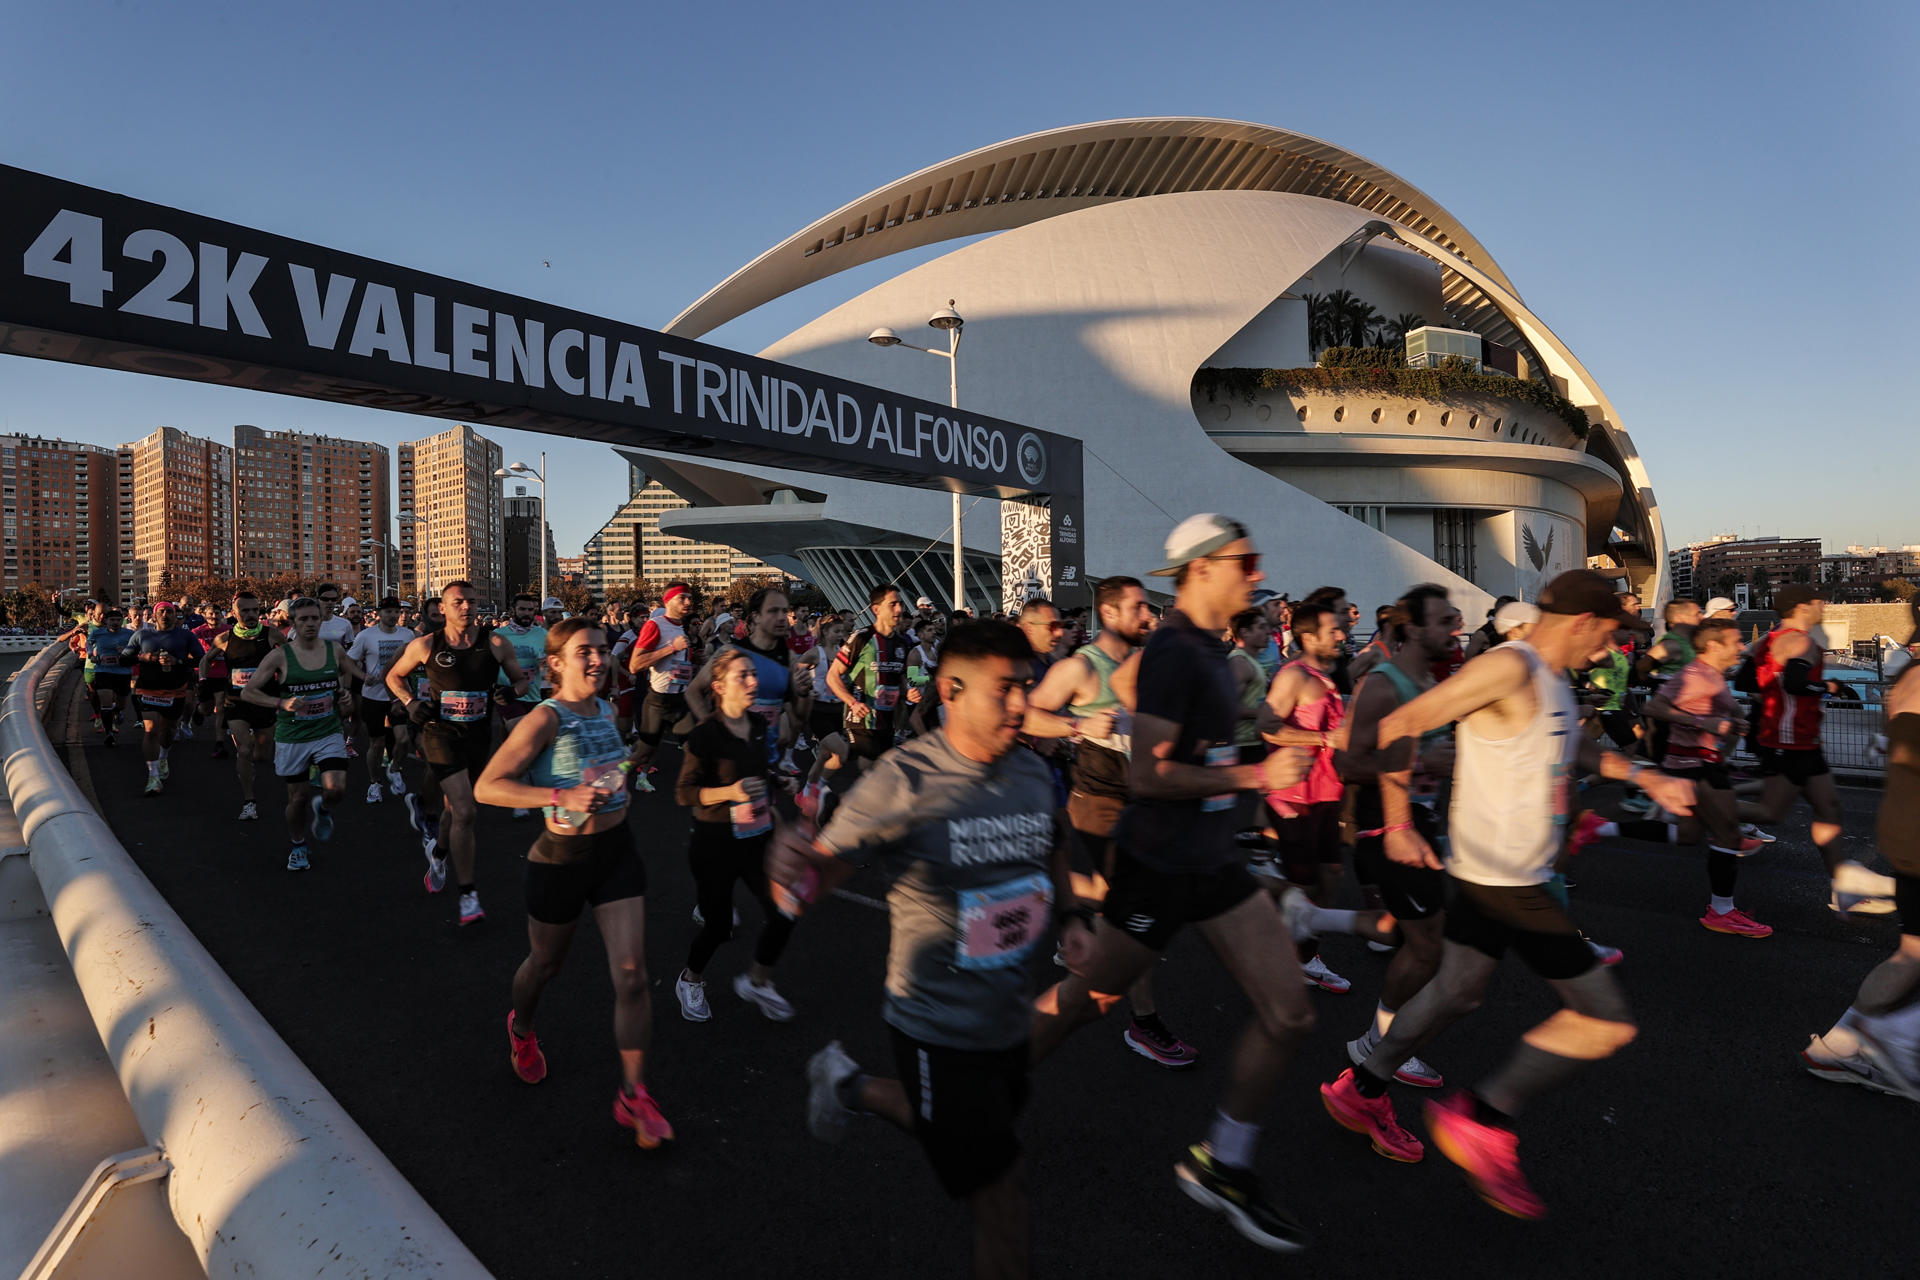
(1051, 799)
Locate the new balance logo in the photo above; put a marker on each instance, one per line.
(1138, 923)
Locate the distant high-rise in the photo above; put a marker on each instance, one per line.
(523, 544)
(447, 480)
(57, 502)
(630, 547)
(175, 512)
(304, 503)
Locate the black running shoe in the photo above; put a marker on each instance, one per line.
(1236, 1193)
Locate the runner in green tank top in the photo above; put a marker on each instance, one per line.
(310, 675)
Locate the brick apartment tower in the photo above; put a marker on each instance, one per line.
(448, 480)
(304, 504)
(57, 508)
(175, 511)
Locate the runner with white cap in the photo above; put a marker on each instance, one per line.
(1515, 620)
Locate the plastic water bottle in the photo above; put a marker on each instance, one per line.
(608, 783)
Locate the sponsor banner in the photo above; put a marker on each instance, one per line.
(90, 277)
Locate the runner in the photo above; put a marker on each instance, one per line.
(726, 780)
(243, 646)
(1488, 634)
(462, 661)
(1176, 863)
(211, 704)
(1423, 622)
(89, 616)
(966, 828)
(529, 640)
(775, 701)
(1304, 708)
(164, 660)
(661, 650)
(565, 752)
(827, 716)
(869, 676)
(426, 807)
(1090, 687)
(309, 678)
(109, 677)
(373, 651)
(1517, 750)
(1377, 650)
(1876, 1043)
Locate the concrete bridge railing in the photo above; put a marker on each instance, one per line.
(268, 1176)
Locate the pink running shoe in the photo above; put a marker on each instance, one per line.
(524, 1051)
(639, 1112)
(1374, 1117)
(1585, 832)
(1487, 1154)
(1736, 922)
(1150, 1038)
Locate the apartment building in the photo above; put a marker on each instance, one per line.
(174, 507)
(307, 504)
(451, 513)
(57, 526)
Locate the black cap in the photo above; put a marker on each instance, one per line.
(1579, 591)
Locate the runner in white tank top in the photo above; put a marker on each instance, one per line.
(1517, 747)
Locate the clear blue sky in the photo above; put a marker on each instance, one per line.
(1708, 203)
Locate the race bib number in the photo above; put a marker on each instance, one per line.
(886, 697)
(1562, 791)
(240, 675)
(463, 707)
(1220, 758)
(751, 819)
(155, 700)
(679, 671)
(769, 713)
(313, 706)
(999, 926)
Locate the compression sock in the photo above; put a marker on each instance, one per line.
(1231, 1141)
(847, 1092)
(1721, 905)
(1332, 920)
(1723, 869)
(1369, 1084)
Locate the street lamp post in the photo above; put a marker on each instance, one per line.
(426, 552)
(949, 319)
(379, 566)
(521, 470)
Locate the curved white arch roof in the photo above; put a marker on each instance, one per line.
(1042, 175)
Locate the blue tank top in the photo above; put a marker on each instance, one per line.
(584, 748)
(775, 678)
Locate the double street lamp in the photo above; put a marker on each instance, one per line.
(379, 565)
(521, 471)
(949, 319)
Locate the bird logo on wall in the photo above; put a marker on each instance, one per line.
(1535, 552)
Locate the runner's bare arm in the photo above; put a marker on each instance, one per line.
(1047, 715)
(698, 703)
(1153, 775)
(271, 667)
(403, 666)
(502, 783)
(206, 657)
(1360, 761)
(509, 659)
(837, 681)
(1670, 793)
(639, 659)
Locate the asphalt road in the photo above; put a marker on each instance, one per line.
(1703, 1150)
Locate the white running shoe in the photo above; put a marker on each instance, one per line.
(693, 999)
(1752, 832)
(1381, 948)
(1898, 1068)
(249, 812)
(470, 907)
(827, 1119)
(436, 878)
(1825, 1062)
(1296, 911)
(322, 819)
(1412, 1071)
(1316, 974)
(396, 785)
(765, 998)
(375, 794)
(297, 858)
(700, 918)
(184, 732)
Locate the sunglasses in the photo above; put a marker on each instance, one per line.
(1249, 560)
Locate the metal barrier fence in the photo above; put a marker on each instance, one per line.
(269, 1176)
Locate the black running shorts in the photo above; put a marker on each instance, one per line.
(864, 744)
(211, 687)
(1906, 900)
(258, 719)
(1410, 893)
(374, 717)
(159, 706)
(110, 681)
(568, 874)
(1309, 841)
(965, 1103)
(1798, 766)
(1150, 906)
(450, 749)
(1532, 919)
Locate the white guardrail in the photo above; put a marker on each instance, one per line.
(269, 1175)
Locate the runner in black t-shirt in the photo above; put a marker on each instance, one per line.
(1176, 863)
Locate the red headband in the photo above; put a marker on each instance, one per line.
(671, 593)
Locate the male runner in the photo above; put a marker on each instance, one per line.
(967, 830)
(660, 650)
(1087, 686)
(529, 640)
(869, 676)
(109, 677)
(243, 647)
(1377, 650)
(373, 651)
(309, 678)
(333, 626)
(1787, 668)
(1176, 863)
(462, 661)
(426, 808)
(1304, 708)
(1518, 746)
(1424, 622)
(91, 616)
(163, 661)
(211, 704)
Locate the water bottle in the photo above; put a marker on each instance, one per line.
(608, 783)
(792, 899)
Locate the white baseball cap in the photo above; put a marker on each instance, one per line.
(1716, 604)
(923, 603)
(1197, 537)
(552, 602)
(1515, 613)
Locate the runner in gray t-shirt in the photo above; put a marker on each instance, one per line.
(967, 830)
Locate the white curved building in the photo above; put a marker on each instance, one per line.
(1132, 260)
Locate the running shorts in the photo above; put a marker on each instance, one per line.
(1532, 919)
(1619, 727)
(865, 744)
(660, 714)
(1309, 841)
(158, 706)
(965, 1103)
(292, 760)
(450, 750)
(1798, 766)
(1906, 900)
(1410, 893)
(1150, 906)
(110, 681)
(374, 715)
(258, 719)
(568, 874)
(825, 718)
(623, 703)
(211, 687)
(1704, 773)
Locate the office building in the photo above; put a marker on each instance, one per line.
(631, 547)
(522, 526)
(447, 482)
(57, 501)
(1717, 565)
(304, 504)
(174, 506)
